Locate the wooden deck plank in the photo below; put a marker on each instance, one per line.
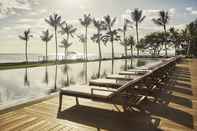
(179, 112)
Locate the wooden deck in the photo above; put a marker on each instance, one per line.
(176, 111)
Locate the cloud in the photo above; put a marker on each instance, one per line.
(194, 12)
(188, 9)
(191, 11)
(38, 12)
(172, 12)
(10, 7)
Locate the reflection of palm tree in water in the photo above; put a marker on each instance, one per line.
(99, 70)
(140, 63)
(65, 71)
(55, 86)
(98, 74)
(46, 78)
(86, 72)
(26, 80)
(83, 73)
(125, 65)
(131, 64)
(112, 71)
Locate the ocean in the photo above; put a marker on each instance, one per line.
(19, 57)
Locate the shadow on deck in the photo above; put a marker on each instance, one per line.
(112, 120)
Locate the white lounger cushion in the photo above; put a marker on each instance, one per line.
(122, 77)
(86, 90)
(107, 82)
(150, 65)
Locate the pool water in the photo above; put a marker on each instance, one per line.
(18, 85)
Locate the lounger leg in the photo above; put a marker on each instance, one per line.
(60, 102)
(77, 101)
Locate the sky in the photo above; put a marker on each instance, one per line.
(19, 15)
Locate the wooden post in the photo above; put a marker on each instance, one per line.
(77, 101)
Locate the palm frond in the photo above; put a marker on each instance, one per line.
(22, 37)
(157, 22)
(113, 21)
(54, 20)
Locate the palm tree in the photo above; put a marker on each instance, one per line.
(130, 41)
(69, 30)
(46, 37)
(190, 35)
(112, 34)
(99, 25)
(26, 36)
(124, 30)
(83, 41)
(141, 45)
(154, 42)
(137, 17)
(65, 44)
(175, 38)
(54, 21)
(85, 22)
(184, 39)
(163, 21)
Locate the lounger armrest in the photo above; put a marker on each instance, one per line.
(92, 90)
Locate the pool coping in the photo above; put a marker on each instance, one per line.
(16, 106)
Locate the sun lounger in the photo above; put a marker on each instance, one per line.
(102, 94)
(124, 92)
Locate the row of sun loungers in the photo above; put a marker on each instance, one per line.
(121, 87)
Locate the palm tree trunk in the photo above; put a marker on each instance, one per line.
(99, 46)
(137, 38)
(26, 51)
(165, 44)
(66, 50)
(188, 48)
(55, 84)
(125, 44)
(112, 45)
(86, 37)
(126, 51)
(46, 51)
(67, 77)
(131, 50)
(56, 44)
(84, 51)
